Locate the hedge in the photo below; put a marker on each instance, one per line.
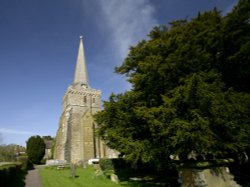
(26, 163)
(8, 173)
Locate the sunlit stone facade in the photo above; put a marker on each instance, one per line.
(76, 141)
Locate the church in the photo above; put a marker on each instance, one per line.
(76, 141)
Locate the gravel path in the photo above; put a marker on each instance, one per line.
(33, 178)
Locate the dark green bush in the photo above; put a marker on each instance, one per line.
(113, 164)
(106, 164)
(109, 166)
(35, 149)
(43, 161)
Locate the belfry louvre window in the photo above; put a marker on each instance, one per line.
(85, 99)
(93, 100)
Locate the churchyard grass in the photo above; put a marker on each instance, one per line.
(89, 177)
(52, 177)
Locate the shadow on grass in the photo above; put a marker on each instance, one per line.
(144, 178)
(141, 174)
(75, 177)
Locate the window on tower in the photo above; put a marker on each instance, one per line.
(93, 100)
(85, 99)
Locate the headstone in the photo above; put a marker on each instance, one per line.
(72, 170)
(55, 162)
(114, 178)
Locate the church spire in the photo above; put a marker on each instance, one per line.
(81, 76)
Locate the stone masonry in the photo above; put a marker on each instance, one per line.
(76, 141)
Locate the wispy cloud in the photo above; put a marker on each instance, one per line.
(229, 8)
(18, 132)
(129, 21)
(1, 138)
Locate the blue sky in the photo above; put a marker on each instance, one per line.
(38, 47)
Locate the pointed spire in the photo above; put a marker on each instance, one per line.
(81, 76)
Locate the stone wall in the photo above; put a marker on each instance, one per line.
(76, 141)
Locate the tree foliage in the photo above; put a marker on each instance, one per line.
(10, 152)
(190, 90)
(35, 149)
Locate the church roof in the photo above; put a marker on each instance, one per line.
(81, 75)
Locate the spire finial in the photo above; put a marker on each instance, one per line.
(81, 37)
(81, 75)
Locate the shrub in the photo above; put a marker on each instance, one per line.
(26, 163)
(35, 149)
(106, 164)
(43, 161)
(109, 166)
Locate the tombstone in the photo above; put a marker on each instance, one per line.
(55, 162)
(114, 178)
(72, 170)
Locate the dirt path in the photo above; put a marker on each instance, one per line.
(33, 178)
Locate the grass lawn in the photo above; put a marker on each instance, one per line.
(51, 177)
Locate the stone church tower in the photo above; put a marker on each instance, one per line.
(76, 141)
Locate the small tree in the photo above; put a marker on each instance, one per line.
(35, 149)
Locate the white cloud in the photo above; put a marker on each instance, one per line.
(13, 131)
(229, 8)
(129, 21)
(1, 138)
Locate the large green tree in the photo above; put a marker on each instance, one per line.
(189, 90)
(35, 149)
